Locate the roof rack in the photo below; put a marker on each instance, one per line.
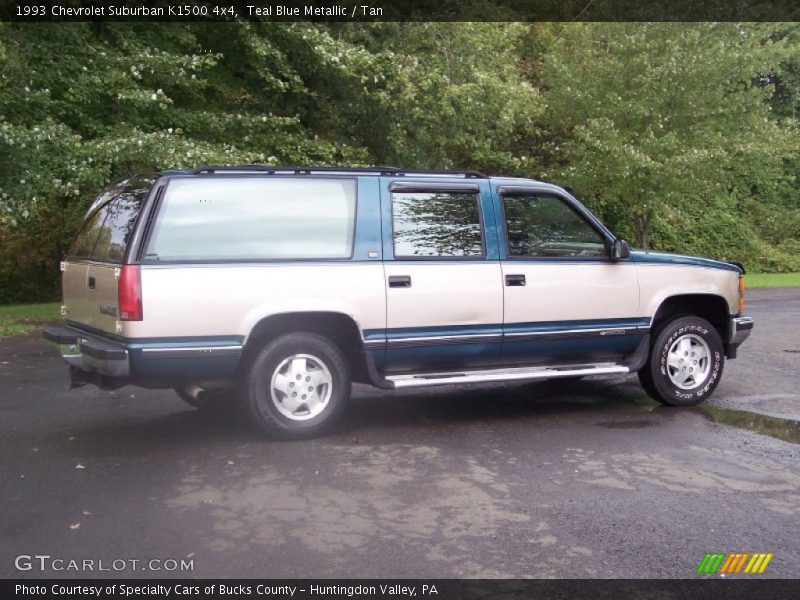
(377, 170)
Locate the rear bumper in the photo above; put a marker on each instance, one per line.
(90, 353)
(160, 363)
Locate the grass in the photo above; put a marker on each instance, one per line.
(23, 318)
(768, 280)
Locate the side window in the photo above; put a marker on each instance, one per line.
(541, 225)
(254, 218)
(436, 224)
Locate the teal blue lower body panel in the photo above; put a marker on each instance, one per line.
(177, 360)
(570, 349)
(410, 359)
(477, 346)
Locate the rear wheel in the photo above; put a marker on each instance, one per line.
(297, 386)
(685, 363)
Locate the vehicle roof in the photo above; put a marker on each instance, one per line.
(377, 171)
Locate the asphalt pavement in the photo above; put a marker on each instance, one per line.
(550, 479)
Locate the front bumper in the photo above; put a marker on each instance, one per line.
(738, 331)
(92, 359)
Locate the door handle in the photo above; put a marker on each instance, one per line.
(91, 283)
(518, 280)
(399, 281)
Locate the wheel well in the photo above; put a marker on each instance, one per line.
(337, 327)
(710, 307)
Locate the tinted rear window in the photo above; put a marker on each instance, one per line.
(255, 218)
(112, 218)
(83, 246)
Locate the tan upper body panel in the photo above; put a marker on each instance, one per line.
(445, 293)
(657, 282)
(226, 299)
(565, 291)
(230, 299)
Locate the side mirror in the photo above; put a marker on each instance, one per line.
(619, 250)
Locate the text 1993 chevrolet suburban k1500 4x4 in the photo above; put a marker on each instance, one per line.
(279, 286)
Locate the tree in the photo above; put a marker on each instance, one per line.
(657, 125)
(84, 104)
(426, 95)
(681, 135)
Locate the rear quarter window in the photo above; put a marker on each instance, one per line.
(254, 218)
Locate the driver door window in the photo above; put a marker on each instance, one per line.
(544, 226)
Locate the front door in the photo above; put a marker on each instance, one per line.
(444, 299)
(565, 301)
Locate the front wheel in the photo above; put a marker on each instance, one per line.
(685, 363)
(297, 386)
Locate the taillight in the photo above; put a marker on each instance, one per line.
(130, 293)
(741, 294)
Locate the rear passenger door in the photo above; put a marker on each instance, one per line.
(565, 300)
(444, 299)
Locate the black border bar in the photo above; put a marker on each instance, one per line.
(399, 10)
(701, 588)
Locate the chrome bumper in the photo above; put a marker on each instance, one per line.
(739, 330)
(89, 353)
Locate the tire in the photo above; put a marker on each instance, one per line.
(297, 386)
(203, 400)
(685, 363)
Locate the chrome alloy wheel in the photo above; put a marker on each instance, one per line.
(689, 362)
(301, 387)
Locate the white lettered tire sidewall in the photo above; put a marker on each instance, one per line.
(256, 389)
(667, 391)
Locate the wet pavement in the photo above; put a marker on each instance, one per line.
(552, 479)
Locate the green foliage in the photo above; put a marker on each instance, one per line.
(84, 104)
(681, 136)
(427, 95)
(666, 128)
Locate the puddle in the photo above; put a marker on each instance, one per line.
(783, 429)
(787, 430)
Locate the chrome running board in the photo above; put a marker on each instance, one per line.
(504, 374)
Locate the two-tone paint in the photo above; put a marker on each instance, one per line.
(456, 313)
